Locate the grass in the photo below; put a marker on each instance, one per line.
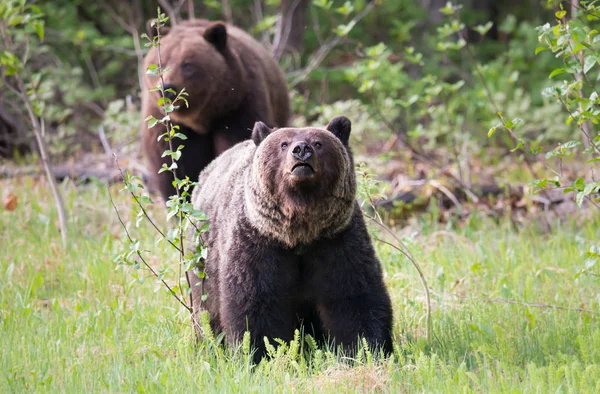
(71, 322)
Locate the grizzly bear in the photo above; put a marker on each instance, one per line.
(231, 81)
(288, 245)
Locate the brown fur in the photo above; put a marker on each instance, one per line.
(288, 243)
(232, 81)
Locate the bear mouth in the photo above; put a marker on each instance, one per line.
(302, 170)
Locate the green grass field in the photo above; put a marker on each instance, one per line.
(71, 322)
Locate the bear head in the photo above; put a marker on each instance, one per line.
(198, 58)
(303, 181)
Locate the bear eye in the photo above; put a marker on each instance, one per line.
(318, 145)
(284, 145)
(187, 68)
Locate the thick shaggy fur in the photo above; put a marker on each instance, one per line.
(232, 82)
(288, 243)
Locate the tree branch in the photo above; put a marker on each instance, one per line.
(324, 50)
(38, 126)
(142, 258)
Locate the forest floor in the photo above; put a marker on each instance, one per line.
(507, 314)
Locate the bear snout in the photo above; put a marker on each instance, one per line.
(302, 151)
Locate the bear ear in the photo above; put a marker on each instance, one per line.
(260, 132)
(216, 34)
(340, 126)
(151, 30)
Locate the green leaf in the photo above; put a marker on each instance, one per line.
(540, 49)
(519, 146)
(39, 29)
(343, 30)
(560, 14)
(325, 4)
(591, 188)
(579, 198)
(594, 160)
(152, 121)
(483, 29)
(578, 47)
(570, 144)
(589, 62)
(163, 168)
(590, 263)
(267, 23)
(180, 136)
(15, 20)
(450, 9)
(557, 72)
(152, 70)
(346, 9)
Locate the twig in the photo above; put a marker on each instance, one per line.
(561, 176)
(131, 29)
(395, 131)
(445, 190)
(38, 127)
(258, 16)
(227, 15)
(141, 257)
(583, 129)
(103, 140)
(316, 26)
(406, 252)
(191, 12)
(136, 199)
(92, 71)
(327, 47)
(285, 21)
(522, 303)
(170, 11)
(579, 75)
(168, 127)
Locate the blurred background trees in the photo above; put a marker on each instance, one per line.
(424, 81)
(88, 61)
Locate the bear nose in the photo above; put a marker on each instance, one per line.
(170, 95)
(302, 151)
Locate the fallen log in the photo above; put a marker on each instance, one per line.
(492, 198)
(102, 168)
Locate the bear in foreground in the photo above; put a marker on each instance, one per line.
(232, 82)
(288, 243)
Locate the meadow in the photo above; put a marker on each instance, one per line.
(508, 314)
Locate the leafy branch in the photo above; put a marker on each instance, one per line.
(368, 188)
(135, 250)
(178, 205)
(18, 19)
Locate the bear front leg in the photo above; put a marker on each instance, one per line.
(256, 293)
(348, 319)
(352, 300)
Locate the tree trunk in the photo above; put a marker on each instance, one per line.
(289, 37)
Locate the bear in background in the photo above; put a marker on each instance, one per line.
(232, 82)
(288, 245)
